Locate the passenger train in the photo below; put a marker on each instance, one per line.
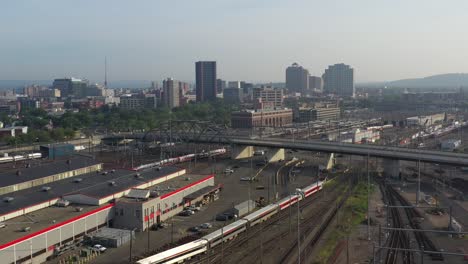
(20, 157)
(199, 246)
(184, 158)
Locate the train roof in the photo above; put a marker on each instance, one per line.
(225, 230)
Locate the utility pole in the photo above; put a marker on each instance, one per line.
(298, 234)
(131, 244)
(148, 231)
(368, 199)
(419, 183)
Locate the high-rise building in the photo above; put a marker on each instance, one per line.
(234, 84)
(297, 78)
(315, 84)
(205, 73)
(232, 95)
(71, 87)
(339, 79)
(220, 85)
(171, 93)
(138, 101)
(270, 97)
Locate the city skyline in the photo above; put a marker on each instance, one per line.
(404, 39)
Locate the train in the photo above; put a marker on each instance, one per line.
(20, 157)
(186, 251)
(204, 154)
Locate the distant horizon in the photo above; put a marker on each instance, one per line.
(193, 80)
(250, 40)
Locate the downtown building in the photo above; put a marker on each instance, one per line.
(339, 80)
(205, 75)
(269, 97)
(297, 79)
(171, 93)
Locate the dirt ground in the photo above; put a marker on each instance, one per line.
(358, 249)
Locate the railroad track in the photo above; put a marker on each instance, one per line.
(424, 242)
(228, 247)
(397, 238)
(292, 255)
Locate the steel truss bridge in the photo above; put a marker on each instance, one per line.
(207, 132)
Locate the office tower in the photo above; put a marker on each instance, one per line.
(233, 95)
(220, 85)
(205, 73)
(297, 78)
(339, 80)
(271, 98)
(71, 87)
(234, 84)
(315, 84)
(171, 93)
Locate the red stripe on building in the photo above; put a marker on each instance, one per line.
(45, 230)
(186, 187)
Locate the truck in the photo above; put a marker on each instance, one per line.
(259, 153)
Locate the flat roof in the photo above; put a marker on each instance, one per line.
(39, 220)
(171, 186)
(202, 191)
(125, 179)
(92, 183)
(44, 169)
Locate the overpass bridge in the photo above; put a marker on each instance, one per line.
(385, 152)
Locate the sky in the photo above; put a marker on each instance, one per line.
(252, 40)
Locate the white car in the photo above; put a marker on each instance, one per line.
(99, 248)
(193, 208)
(206, 226)
(228, 170)
(245, 179)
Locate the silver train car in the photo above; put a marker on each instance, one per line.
(188, 250)
(184, 158)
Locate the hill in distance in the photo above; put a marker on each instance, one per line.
(449, 80)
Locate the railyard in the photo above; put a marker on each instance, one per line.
(233, 182)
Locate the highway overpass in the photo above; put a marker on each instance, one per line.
(395, 153)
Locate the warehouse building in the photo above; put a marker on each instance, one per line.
(145, 208)
(321, 113)
(38, 236)
(91, 188)
(43, 173)
(261, 118)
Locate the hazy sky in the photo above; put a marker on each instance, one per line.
(251, 40)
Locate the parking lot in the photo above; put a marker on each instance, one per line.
(234, 192)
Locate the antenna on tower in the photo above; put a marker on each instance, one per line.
(105, 71)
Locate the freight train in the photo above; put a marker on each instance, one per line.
(199, 246)
(180, 159)
(20, 157)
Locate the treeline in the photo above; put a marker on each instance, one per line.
(44, 127)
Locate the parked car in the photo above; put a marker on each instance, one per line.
(245, 179)
(206, 225)
(195, 229)
(99, 248)
(228, 170)
(193, 208)
(162, 225)
(235, 166)
(186, 213)
(221, 217)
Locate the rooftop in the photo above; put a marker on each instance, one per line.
(92, 184)
(122, 180)
(171, 186)
(39, 220)
(44, 169)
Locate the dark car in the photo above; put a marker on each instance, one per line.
(222, 217)
(195, 229)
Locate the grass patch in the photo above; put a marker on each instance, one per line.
(351, 214)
